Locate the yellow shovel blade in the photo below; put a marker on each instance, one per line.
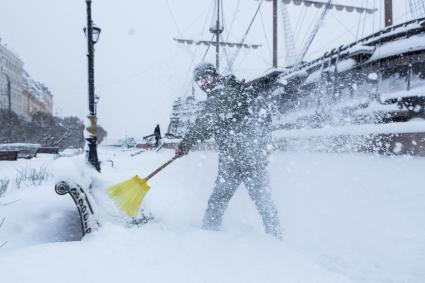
(128, 195)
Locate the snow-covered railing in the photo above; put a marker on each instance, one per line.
(391, 138)
(381, 37)
(389, 128)
(414, 92)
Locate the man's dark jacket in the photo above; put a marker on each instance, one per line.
(234, 118)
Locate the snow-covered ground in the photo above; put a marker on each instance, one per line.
(347, 218)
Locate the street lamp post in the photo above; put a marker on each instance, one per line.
(92, 34)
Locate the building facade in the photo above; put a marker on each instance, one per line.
(36, 97)
(11, 69)
(26, 96)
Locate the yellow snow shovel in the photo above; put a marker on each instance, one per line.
(128, 195)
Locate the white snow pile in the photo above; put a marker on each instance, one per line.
(19, 146)
(347, 218)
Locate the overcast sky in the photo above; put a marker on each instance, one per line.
(140, 70)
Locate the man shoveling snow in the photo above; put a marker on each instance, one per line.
(242, 137)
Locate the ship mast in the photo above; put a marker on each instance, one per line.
(388, 13)
(275, 33)
(217, 29)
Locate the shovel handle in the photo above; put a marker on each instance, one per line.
(160, 168)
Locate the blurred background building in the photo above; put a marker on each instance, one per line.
(18, 91)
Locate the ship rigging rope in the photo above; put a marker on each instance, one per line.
(373, 19)
(407, 7)
(189, 73)
(229, 67)
(347, 29)
(233, 19)
(310, 27)
(313, 33)
(331, 42)
(226, 54)
(208, 15)
(188, 80)
(288, 35)
(416, 7)
(359, 23)
(300, 22)
(228, 33)
(174, 18)
(208, 48)
(364, 19)
(265, 36)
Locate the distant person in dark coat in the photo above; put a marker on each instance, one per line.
(157, 134)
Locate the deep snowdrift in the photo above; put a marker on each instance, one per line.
(346, 217)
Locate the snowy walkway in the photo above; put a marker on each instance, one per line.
(347, 218)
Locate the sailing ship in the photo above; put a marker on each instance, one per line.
(184, 113)
(377, 79)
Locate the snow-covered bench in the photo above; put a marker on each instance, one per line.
(25, 150)
(48, 150)
(9, 155)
